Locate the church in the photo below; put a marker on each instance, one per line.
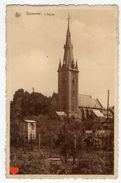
(68, 99)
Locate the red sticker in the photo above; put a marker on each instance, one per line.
(14, 170)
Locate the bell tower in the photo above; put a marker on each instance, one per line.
(68, 79)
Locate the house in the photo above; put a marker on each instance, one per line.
(27, 130)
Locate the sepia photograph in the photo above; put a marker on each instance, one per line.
(62, 91)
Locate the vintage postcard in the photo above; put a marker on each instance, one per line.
(62, 91)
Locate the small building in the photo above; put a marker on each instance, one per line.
(61, 114)
(27, 129)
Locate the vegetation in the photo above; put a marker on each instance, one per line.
(65, 138)
(25, 104)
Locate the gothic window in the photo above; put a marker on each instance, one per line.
(73, 81)
(73, 64)
(73, 94)
(63, 83)
(63, 80)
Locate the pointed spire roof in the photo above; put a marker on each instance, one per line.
(68, 35)
(68, 47)
(68, 59)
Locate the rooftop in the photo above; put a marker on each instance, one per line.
(88, 101)
(29, 121)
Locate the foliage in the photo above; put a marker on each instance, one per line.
(34, 162)
(26, 104)
(62, 137)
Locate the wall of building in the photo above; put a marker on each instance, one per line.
(68, 91)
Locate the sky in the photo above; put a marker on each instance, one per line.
(35, 41)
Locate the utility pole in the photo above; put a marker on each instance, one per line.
(75, 148)
(108, 103)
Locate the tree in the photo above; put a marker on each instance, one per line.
(25, 104)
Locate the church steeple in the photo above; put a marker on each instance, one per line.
(68, 35)
(68, 47)
(68, 79)
(68, 60)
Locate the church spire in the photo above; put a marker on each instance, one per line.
(68, 79)
(68, 47)
(68, 29)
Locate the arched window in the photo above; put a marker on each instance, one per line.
(73, 81)
(73, 94)
(63, 80)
